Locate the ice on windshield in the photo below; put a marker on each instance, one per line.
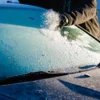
(26, 47)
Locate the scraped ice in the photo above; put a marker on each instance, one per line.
(51, 19)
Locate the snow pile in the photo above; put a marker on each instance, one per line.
(51, 19)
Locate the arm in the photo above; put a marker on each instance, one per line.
(80, 15)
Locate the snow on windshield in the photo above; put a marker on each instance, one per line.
(24, 47)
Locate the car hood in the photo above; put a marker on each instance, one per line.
(77, 86)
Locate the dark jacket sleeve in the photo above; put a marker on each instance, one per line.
(85, 12)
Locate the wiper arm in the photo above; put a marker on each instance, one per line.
(39, 75)
(88, 33)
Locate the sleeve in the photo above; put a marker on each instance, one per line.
(85, 12)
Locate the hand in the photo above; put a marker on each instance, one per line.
(63, 21)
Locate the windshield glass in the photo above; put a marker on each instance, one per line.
(26, 47)
(99, 15)
(98, 9)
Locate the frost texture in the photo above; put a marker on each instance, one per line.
(25, 48)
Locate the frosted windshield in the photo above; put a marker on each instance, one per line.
(26, 47)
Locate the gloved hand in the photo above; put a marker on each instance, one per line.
(63, 21)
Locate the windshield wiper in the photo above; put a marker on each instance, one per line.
(40, 75)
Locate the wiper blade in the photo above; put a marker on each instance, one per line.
(30, 77)
(40, 75)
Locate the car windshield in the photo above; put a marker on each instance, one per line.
(27, 47)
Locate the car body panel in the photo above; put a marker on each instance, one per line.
(68, 87)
